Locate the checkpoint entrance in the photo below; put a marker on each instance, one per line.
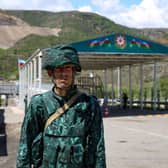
(117, 51)
(105, 53)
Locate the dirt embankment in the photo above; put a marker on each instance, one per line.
(13, 29)
(9, 35)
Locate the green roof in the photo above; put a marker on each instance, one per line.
(118, 50)
(120, 44)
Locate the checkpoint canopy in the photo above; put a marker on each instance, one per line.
(118, 50)
(107, 52)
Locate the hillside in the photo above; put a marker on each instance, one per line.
(13, 29)
(158, 35)
(22, 32)
(86, 23)
(72, 26)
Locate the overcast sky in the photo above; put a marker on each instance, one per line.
(131, 13)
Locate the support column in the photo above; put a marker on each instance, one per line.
(154, 86)
(141, 86)
(31, 78)
(39, 70)
(28, 81)
(20, 85)
(130, 87)
(25, 87)
(119, 86)
(105, 88)
(112, 86)
(34, 73)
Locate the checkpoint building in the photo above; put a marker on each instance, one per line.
(107, 53)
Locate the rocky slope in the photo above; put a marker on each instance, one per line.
(13, 29)
(159, 35)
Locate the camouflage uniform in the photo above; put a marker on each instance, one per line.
(73, 140)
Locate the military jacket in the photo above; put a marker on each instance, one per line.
(73, 140)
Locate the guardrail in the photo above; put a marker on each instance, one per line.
(8, 88)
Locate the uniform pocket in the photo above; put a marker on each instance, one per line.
(51, 150)
(77, 154)
(70, 143)
(64, 155)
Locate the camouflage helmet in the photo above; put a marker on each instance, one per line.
(60, 55)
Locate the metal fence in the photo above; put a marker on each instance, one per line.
(10, 88)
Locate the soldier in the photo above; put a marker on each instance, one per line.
(63, 127)
(124, 99)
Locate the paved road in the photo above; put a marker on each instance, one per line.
(131, 142)
(10, 124)
(137, 142)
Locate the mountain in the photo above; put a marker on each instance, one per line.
(23, 31)
(13, 29)
(158, 35)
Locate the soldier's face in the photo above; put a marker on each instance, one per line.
(63, 76)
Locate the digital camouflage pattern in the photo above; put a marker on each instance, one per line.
(60, 55)
(74, 140)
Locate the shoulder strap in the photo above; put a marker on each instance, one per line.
(62, 109)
